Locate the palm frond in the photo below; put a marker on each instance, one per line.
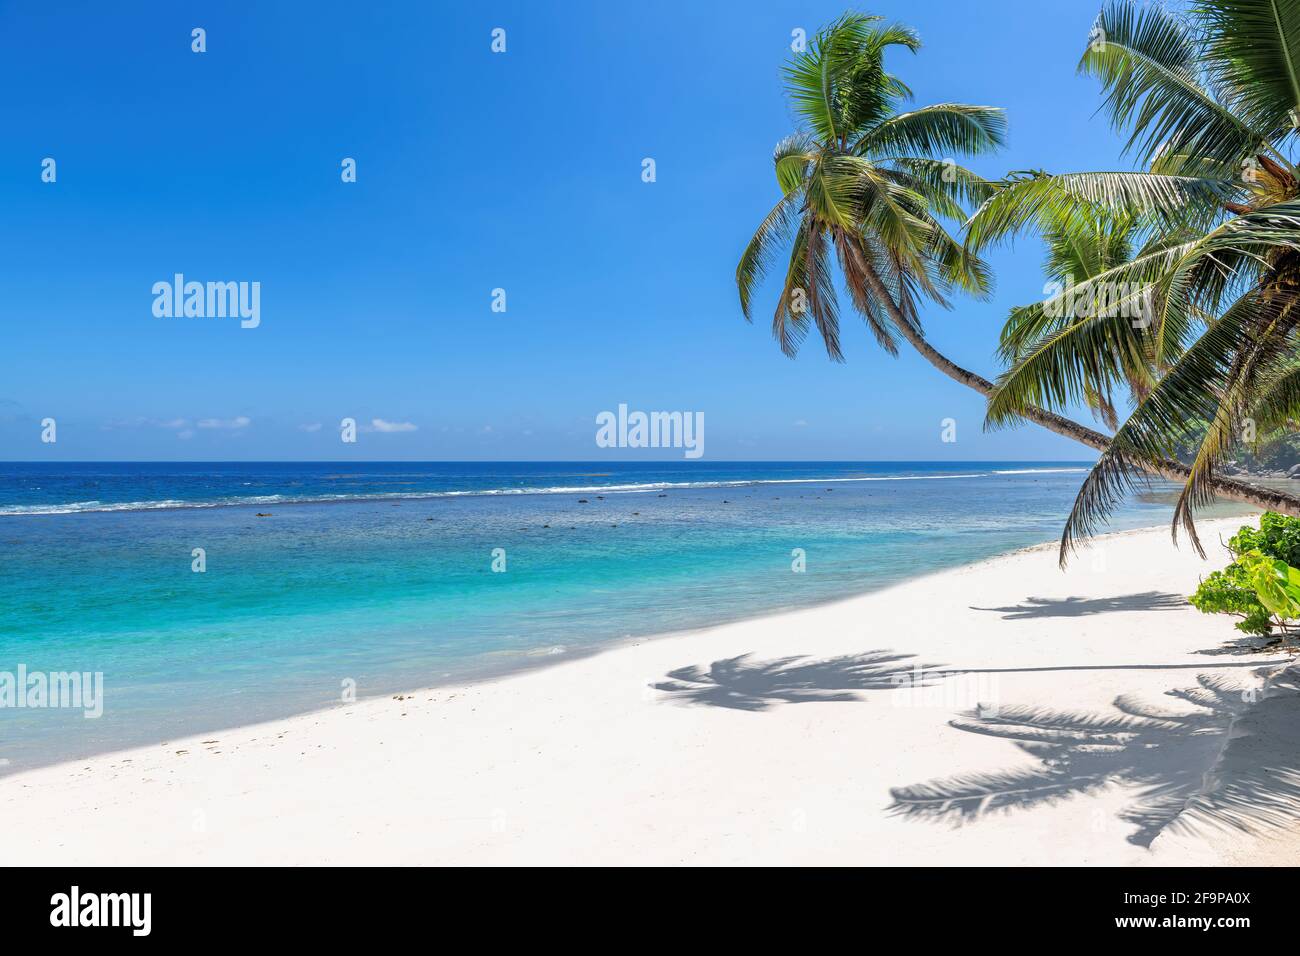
(1252, 51)
(1133, 281)
(1042, 201)
(856, 256)
(1147, 59)
(791, 159)
(819, 80)
(1172, 414)
(790, 321)
(1083, 358)
(949, 186)
(946, 129)
(821, 294)
(1272, 346)
(759, 255)
(835, 189)
(953, 266)
(1276, 403)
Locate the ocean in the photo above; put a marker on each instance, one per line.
(320, 580)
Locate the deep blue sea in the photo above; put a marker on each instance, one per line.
(380, 575)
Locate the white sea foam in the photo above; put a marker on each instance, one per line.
(82, 507)
(1037, 471)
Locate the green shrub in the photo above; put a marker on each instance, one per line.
(1277, 584)
(1234, 589)
(1278, 537)
(1230, 592)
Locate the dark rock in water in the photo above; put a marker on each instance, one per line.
(582, 501)
(663, 496)
(600, 497)
(546, 526)
(264, 514)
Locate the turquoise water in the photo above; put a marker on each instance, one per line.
(381, 574)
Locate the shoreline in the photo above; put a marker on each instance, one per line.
(560, 762)
(495, 666)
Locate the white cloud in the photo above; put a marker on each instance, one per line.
(379, 425)
(141, 422)
(226, 424)
(801, 424)
(312, 427)
(187, 433)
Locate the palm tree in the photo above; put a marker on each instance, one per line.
(870, 186)
(1210, 104)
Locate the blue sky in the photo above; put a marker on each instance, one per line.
(476, 171)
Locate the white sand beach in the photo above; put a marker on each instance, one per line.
(1099, 720)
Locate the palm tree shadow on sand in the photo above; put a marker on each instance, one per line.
(1032, 607)
(1226, 764)
(742, 683)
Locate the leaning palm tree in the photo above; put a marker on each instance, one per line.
(863, 185)
(1210, 104)
(869, 187)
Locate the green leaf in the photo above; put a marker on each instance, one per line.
(1148, 59)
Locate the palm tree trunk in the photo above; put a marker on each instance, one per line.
(1223, 487)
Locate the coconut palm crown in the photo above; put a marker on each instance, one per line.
(867, 186)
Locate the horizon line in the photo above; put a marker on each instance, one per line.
(533, 461)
